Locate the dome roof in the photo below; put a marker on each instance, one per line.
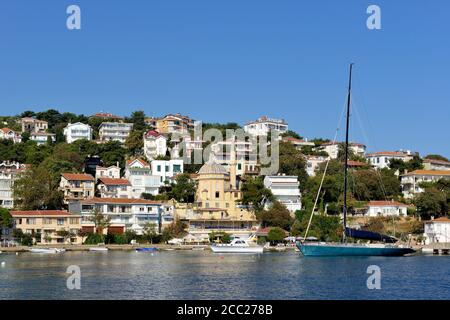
(211, 167)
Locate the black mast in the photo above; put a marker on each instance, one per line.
(346, 148)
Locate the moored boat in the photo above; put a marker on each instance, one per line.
(237, 246)
(46, 250)
(150, 249)
(98, 249)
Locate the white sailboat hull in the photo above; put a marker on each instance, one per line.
(46, 250)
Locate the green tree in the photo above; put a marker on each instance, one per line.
(276, 235)
(183, 189)
(432, 202)
(138, 120)
(135, 143)
(150, 233)
(65, 234)
(436, 157)
(292, 162)
(254, 193)
(100, 220)
(292, 134)
(276, 216)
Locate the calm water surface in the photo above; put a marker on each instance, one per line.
(204, 275)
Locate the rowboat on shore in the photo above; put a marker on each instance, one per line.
(98, 249)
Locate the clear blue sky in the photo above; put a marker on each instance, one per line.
(235, 60)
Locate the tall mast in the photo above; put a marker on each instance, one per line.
(346, 148)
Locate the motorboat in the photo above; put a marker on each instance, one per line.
(47, 250)
(151, 249)
(98, 249)
(236, 246)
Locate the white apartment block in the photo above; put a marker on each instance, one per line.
(42, 137)
(382, 159)
(76, 131)
(115, 131)
(386, 208)
(410, 181)
(155, 144)
(32, 125)
(312, 163)
(298, 143)
(245, 155)
(286, 190)
(263, 125)
(437, 231)
(109, 172)
(139, 173)
(166, 170)
(332, 148)
(432, 164)
(114, 188)
(6, 133)
(9, 172)
(125, 214)
(186, 146)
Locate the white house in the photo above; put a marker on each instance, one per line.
(185, 146)
(114, 131)
(312, 163)
(263, 125)
(155, 144)
(433, 164)
(109, 172)
(410, 181)
(286, 190)
(166, 170)
(382, 159)
(76, 131)
(437, 231)
(6, 133)
(139, 173)
(332, 148)
(42, 137)
(386, 208)
(114, 188)
(298, 143)
(125, 214)
(9, 172)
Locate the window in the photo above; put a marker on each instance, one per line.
(31, 221)
(176, 168)
(74, 221)
(167, 168)
(46, 221)
(239, 166)
(61, 221)
(206, 204)
(217, 194)
(158, 168)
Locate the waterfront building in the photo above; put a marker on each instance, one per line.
(332, 148)
(437, 231)
(139, 173)
(286, 190)
(155, 144)
(382, 159)
(9, 172)
(115, 131)
(166, 170)
(77, 186)
(385, 208)
(42, 137)
(298, 143)
(263, 125)
(76, 131)
(410, 181)
(114, 188)
(245, 153)
(217, 205)
(312, 163)
(433, 164)
(6, 133)
(33, 125)
(109, 172)
(124, 214)
(44, 225)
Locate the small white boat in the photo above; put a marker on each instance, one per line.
(47, 250)
(237, 246)
(198, 248)
(98, 249)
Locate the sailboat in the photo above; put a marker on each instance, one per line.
(386, 245)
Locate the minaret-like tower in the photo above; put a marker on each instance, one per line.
(233, 164)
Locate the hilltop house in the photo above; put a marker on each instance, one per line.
(6, 133)
(386, 208)
(433, 164)
(155, 144)
(286, 190)
(166, 170)
(332, 148)
(44, 225)
(382, 159)
(42, 137)
(410, 181)
(109, 172)
(76, 131)
(114, 131)
(139, 173)
(33, 125)
(312, 163)
(263, 125)
(77, 186)
(298, 143)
